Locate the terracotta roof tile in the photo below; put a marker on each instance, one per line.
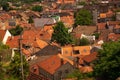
(41, 43)
(91, 57)
(102, 15)
(51, 64)
(88, 30)
(113, 36)
(101, 26)
(13, 41)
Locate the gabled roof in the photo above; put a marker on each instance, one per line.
(40, 22)
(114, 37)
(2, 34)
(48, 50)
(51, 64)
(87, 30)
(91, 57)
(12, 42)
(41, 43)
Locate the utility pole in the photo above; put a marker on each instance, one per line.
(20, 50)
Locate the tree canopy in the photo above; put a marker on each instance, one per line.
(5, 6)
(83, 17)
(84, 41)
(61, 35)
(37, 8)
(108, 63)
(30, 20)
(14, 68)
(16, 31)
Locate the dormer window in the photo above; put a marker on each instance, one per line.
(25, 46)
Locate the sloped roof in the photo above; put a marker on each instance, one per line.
(2, 34)
(40, 22)
(91, 57)
(88, 30)
(51, 64)
(41, 43)
(48, 50)
(13, 41)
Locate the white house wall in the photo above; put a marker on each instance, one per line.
(7, 34)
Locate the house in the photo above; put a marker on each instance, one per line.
(90, 38)
(113, 37)
(75, 50)
(67, 18)
(52, 68)
(41, 22)
(12, 22)
(48, 50)
(12, 41)
(4, 34)
(87, 30)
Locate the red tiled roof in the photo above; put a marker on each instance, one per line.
(51, 64)
(91, 57)
(113, 36)
(101, 26)
(41, 43)
(5, 17)
(2, 34)
(117, 27)
(12, 42)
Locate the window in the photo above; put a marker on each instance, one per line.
(66, 71)
(76, 52)
(25, 46)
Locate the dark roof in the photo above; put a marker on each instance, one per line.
(48, 50)
(40, 22)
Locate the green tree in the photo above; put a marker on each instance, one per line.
(5, 6)
(61, 35)
(108, 64)
(14, 69)
(84, 41)
(30, 20)
(80, 76)
(96, 35)
(37, 8)
(16, 31)
(83, 17)
(2, 46)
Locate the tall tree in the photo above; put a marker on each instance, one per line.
(83, 17)
(61, 35)
(108, 64)
(14, 69)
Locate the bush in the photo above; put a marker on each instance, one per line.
(37, 8)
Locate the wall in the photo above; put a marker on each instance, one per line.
(7, 34)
